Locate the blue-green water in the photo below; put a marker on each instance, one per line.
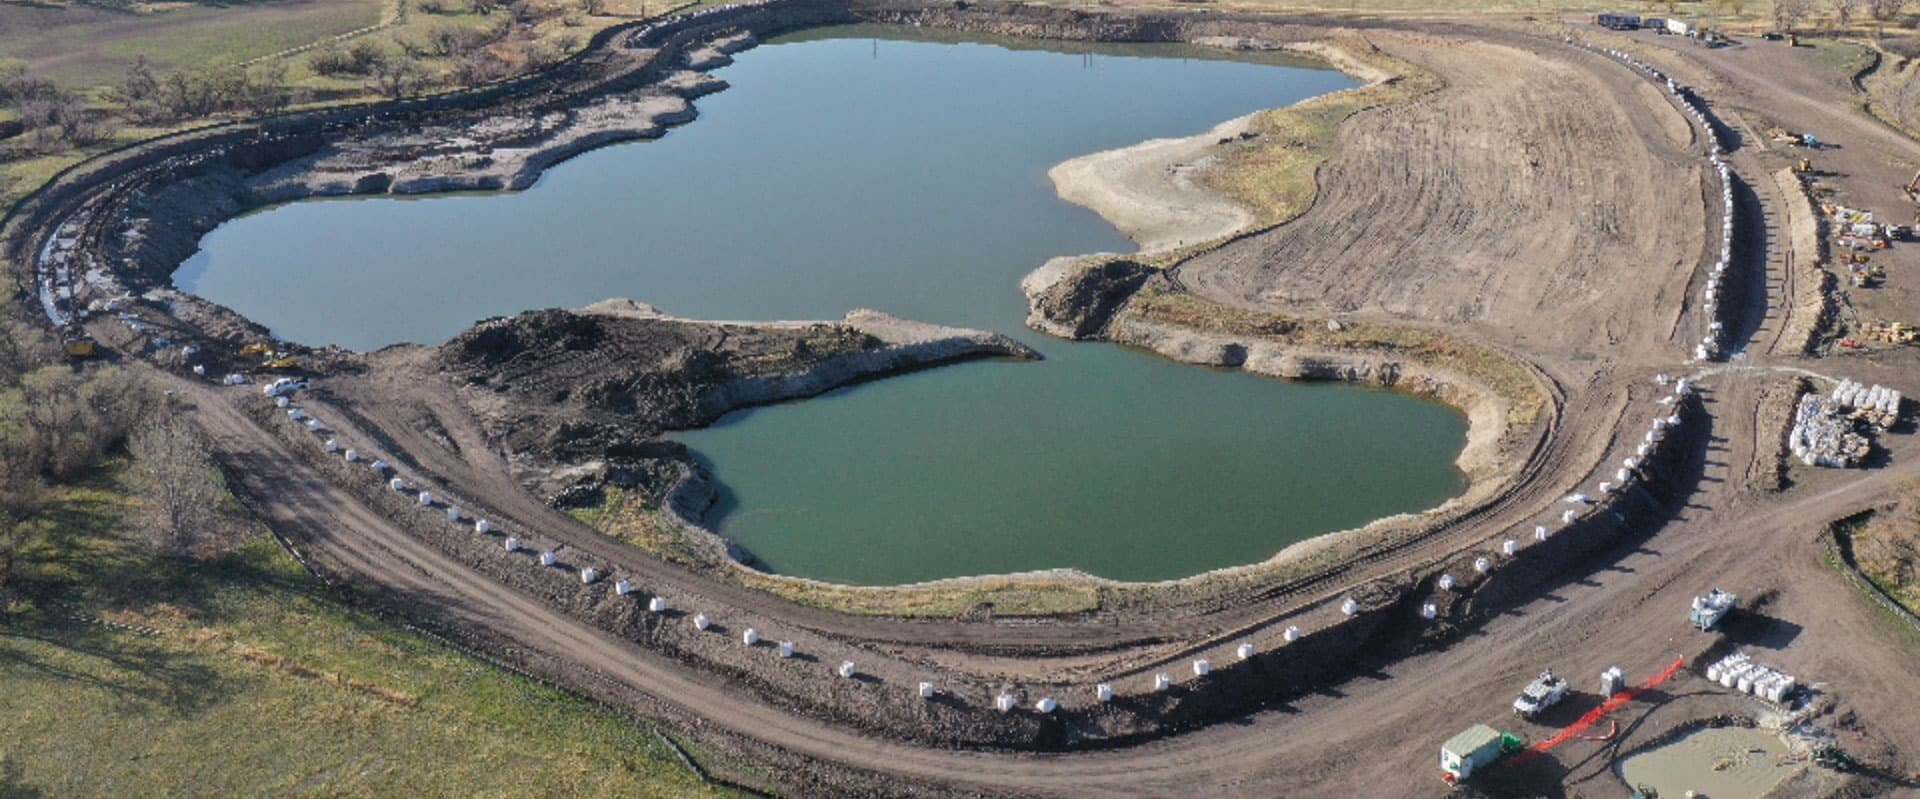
(842, 171)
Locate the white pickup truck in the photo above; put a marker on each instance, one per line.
(1544, 692)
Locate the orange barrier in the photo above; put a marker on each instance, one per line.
(1594, 716)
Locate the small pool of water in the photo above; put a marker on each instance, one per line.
(852, 167)
(1723, 763)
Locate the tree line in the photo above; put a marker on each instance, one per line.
(61, 424)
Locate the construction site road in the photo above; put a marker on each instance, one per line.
(1573, 230)
(1372, 733)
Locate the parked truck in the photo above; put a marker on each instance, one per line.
(1680, 27)
(1544, 692)
(1710, 609)
(1473, 749)
(1619, 22)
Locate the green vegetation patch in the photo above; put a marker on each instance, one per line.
(1274, 172)
(244, 676)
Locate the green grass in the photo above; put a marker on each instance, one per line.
(261, 682)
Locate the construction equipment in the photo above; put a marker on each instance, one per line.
(256, 349)
(80, 345)
(1805, 166)
(1913, 188)
(1710, 609)
(1544, 692)
(1473, 749)
(281, 362)
(1891, 332)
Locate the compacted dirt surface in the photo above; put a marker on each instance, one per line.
(1551, 202)
(1538, 185)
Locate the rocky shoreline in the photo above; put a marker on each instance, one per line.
(507, 148)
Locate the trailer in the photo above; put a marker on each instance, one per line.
(1619, 22)
(1710, 609)
(1679, 27)
(1473, 749)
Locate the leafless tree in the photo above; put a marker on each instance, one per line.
(1843, 11)
(1788, 14)
(398, 75)
(178, 482)
(1885, 9)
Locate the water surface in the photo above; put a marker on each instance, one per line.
(852, 168)
(1723, 763)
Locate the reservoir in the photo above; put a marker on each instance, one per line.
(861, 167)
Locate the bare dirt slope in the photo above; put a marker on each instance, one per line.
(1537, 198)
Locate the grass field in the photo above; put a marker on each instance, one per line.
(84, 47)
(260, 682)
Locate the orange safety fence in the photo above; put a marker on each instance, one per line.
(1594, 716)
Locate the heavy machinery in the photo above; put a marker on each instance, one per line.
(1805, 166)
(1473, 749)
(256, 349)
(78, 343)
(1544, 692)
(280, 362)
(1913, 188)
(1709, 610)
(1891, 332)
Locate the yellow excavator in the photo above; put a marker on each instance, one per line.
(1806, 166)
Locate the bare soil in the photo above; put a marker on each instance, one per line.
(1539, 205)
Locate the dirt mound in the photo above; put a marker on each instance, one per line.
(581, 397)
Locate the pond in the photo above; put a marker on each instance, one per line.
(1720, 763)
(874, 167)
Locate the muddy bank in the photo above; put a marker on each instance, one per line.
(579, 399)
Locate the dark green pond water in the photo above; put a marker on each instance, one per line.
(854, 168)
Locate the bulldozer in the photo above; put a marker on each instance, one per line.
(280, 362)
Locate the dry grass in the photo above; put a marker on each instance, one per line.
(1887, 548)
(1498, 373)
(1007, 596)
(641, 522)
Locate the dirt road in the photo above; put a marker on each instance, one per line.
(1545, 202)
(1373, 734)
